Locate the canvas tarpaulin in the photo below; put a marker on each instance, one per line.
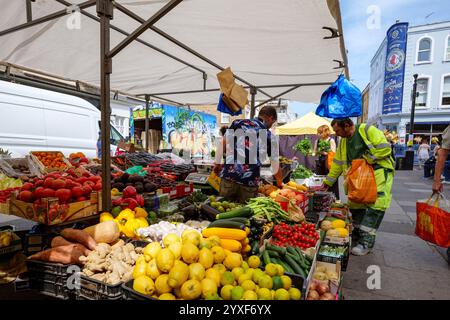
(307, 124)
(265, 42)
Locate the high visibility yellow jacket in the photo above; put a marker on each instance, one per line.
(379, 153)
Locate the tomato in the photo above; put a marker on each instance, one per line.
(48, 193)
(58, 184)
(63, 195)
(26, 196)
(48, 182)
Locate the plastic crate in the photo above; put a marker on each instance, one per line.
(91, 289)
(51, 289)
(130, 294)
(343, 259)
(47, 268)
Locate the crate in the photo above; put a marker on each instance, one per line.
(91, 289)
(45, 169)
(130, 294)
(179, 191)
(334, 260)
(15, 245)
(50, 212)
(335, 285)
(51, 289)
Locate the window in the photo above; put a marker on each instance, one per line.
(446, 91)
(447, 49)
(224, 118)
(115, 136)
(422, 92)
(424, 52)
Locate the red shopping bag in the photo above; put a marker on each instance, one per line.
(433, 221)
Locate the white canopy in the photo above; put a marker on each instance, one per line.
(265, 42)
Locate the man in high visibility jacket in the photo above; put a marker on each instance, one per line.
(364, 142)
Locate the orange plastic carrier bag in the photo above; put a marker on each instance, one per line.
(330, 158)
(433, 221)
(362, 187)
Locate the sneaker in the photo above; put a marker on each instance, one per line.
(360, 250)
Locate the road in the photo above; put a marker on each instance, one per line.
(410, 268)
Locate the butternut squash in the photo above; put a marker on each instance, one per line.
(104, 232)
(225, 233)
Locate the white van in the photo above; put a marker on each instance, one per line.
(33, 119)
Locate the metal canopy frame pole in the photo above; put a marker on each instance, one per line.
(279, 95)
(29, 11)
(147, 125)
(46, 18)
(105, 12)
(252, 102)
(134, 16)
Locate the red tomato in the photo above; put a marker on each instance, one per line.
(63, 195)
(87, 190)
(48, 193)
(58, 184)
(27, 186)
(26, 196)
(77, 191)
(48, 182)
(39, 192)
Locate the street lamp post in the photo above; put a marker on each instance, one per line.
(413, 105)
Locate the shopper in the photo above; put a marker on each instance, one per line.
(240, 180)
(322, 168)
(364, 142)
(423, 152)
(443, 153)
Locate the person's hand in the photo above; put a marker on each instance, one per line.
(437, 187)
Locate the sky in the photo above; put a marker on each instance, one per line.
(365, 23)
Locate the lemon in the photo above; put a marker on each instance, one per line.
(196, 271)
(250, 272)
(244, 277)
(170, 238)
(271, 269)
(287, 282)
(151, 250)
(106, 216)
(218, 253)
(338, 223)
(152, 269)
(282, 294)
(140, 269)
(191, 290)
(244, 265)
(249, 295)
(264, 294)
(254, 262)
(206, 258)
(257, 274)
(237, 272)
(162, 284)
(189, 253)
(176, 249)
(204, 243)
(178, 275)
(213, 274)
(177, 292)
(165, 260)
(191, 236)
(212, 296)
(342, 232)
(214, 240)
(227, 278)
(209, 287)
(265, 282)
(232, 260)
(220, 267)
(237, 293)
(295, 294)
(280, 269)
(225, 292)
(144, 285)
(248, 285)
(167, 296)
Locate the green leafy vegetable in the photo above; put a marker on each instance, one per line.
(323, 146)
(304, 146)
(301, 172)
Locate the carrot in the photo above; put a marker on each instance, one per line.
(59, 241)
(68, 254)
(79, 236)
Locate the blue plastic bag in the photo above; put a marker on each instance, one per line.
(222, 107)
(341, 100)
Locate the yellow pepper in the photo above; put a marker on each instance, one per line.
(115, 192)
(106, 216)
(130, 227)
(142, 222)
(124, 216)
(140, 213)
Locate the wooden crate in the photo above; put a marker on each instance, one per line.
(45, 169)
(50, 212)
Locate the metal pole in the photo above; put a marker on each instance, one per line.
(413, 104)
(29, 11)
(279, 95)
(252, 102)
(147, 103)
(105, 12)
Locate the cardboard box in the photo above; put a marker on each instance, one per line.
(45, 169)
(50, 212)
(339, 240)
(333, 284)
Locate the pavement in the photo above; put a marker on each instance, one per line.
(409, 268)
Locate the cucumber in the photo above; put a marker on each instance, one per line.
(292, 251)
(255, 247)
(266, 258)
(296, 268)
(297, 260)
(280, 250)
(227, 223)
(240, 212)
(273, 254)
(286, 266)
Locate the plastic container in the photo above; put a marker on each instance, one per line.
(130, 294)
(91, 289)
(343, 259)
(51, 289)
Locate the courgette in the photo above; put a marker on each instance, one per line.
(273, 254)
(292, 251)
(280, 250)
(255, 247)
(296, 268)
(241, 220)
(266, 257)
(286, 266)
(240, 212)
(227, 223)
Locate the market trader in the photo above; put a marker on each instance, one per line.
(239, 181)
(364, 142)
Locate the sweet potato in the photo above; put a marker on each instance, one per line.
(68, 254)
(60, 241)
(79, 236)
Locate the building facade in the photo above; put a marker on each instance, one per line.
(365, 96)
(428, 55)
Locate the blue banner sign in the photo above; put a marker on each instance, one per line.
(395, 68)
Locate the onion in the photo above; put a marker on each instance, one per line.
(327, 296)
(323, 288)
(313, 286)
(313, 294)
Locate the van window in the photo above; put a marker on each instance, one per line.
(67, 124)
(21, 120)
(115, 136)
